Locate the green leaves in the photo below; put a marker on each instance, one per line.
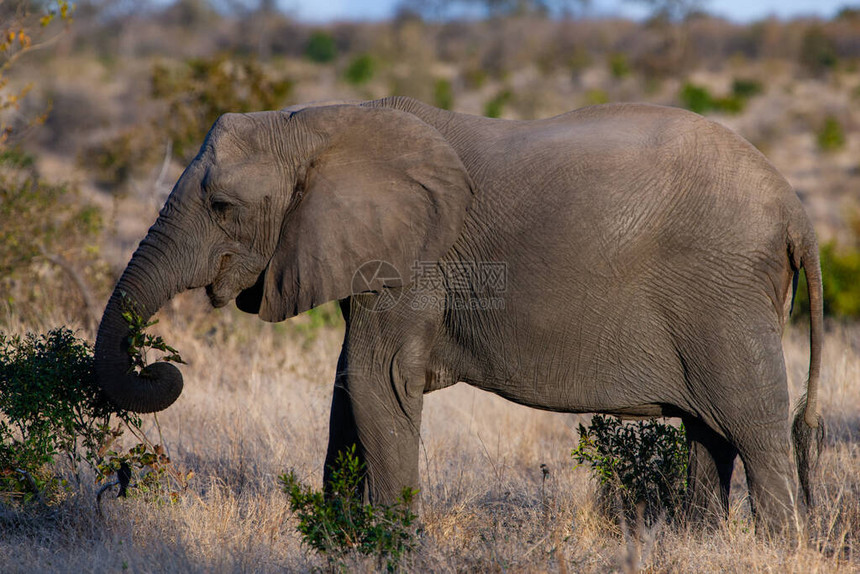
(643, 461)
(341, 523)
(139, 341)
(50, 407)
(52, 410)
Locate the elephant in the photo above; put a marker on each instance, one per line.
(626, 259)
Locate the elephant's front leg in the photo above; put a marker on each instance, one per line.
(377, 401)
(386, 436)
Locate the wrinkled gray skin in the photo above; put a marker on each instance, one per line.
(649, 256)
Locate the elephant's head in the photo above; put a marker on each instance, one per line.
(278, 210)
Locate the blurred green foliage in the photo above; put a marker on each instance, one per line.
(699, 99)
(321, 47)
(496, 105)
(202, 89)
(443, 94)
(596, 96)
(831, 135)
(696, 98)
(840, 275)
(129, 154)
(360, 69)
(40, 222)
(619, 65)
(818, 52)
(746, 88)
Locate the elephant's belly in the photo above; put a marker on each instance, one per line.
(627, 368)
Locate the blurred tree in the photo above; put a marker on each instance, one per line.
(672, 10)
(818, 51)
(40, 225)
(360, 69)
(191, 14)
(321, 47)
(203, 89)
(23, 27)
(442, 9)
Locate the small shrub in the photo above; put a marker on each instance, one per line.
(310, 323)
(596, 96)
(746, 88)
(696, 98)
(730, 104)
(699, 99)
(619, 66)
(474, 78)
(831, 136)
(360, 70)
(341, 524)
(200, 90)
(55, 420)
(321, 47)
(494, 107)
(51, 412)
(443, 94)
(637, 462)
(818, 51)
(118, 160)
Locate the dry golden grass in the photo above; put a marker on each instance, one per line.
(256, 404)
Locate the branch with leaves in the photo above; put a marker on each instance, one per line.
(21, 32)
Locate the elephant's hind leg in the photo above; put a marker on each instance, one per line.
(750, 406)
(709, 473)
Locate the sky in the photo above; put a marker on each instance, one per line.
(736, 10)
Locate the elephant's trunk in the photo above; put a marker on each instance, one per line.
(152, 277)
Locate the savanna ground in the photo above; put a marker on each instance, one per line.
(257, 396)
(256, 404)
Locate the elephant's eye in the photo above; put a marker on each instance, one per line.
(220, 206)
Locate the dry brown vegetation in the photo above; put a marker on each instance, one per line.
(256, 404)
(257, 396)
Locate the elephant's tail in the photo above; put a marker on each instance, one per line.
(808, 428)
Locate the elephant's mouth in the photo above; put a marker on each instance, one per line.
(235, 275)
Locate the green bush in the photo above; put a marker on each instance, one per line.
(619, 66)
(637, 462)
(195, 93)
(818, 51)
(360, 70)
(699, 99)
(321, 47)
(52, 412)
(55, 420)
(495, 106)
(202, 89)
(696, 98)
(341, 524)
(596, 96)
(831, 136)
(744, 88)
(443, 94)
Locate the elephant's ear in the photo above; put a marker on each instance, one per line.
(382, 186)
